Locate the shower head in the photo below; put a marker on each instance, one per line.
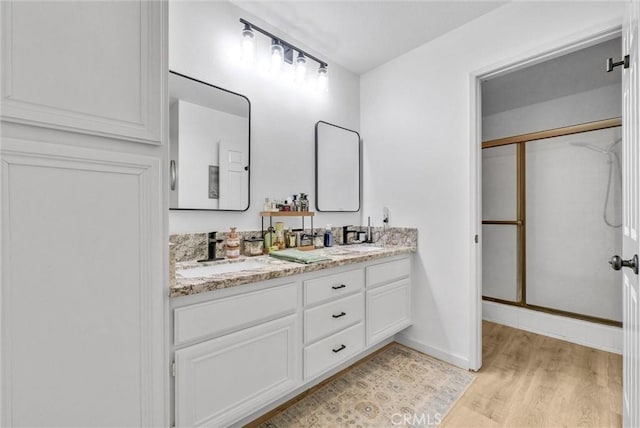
(589, 146)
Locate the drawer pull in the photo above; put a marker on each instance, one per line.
(341, 314)
(338, 287)
(339, 349)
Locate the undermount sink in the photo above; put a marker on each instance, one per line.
(201, 271)
(361, 248)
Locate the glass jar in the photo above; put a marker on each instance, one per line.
(232, 245)
(253, 247)
(318, 241)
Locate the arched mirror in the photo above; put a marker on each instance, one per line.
(337, 168)
(209, 133)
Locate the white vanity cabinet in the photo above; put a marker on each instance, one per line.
(239, 350)
(388, 299)
(250, 358)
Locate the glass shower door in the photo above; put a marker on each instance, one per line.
(500, 267)
(551, 212)
(573, 196)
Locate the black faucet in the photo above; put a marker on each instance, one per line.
(345, 234)
(212, 242)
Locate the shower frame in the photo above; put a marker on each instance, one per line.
(521, 212)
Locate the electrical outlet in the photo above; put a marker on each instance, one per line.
(385, 215)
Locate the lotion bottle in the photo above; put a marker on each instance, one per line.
(328, 236)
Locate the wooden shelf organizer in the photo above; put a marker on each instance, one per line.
(301, 214)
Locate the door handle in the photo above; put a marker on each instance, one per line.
(617, 263)
(173, 174)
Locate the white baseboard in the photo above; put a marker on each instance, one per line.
(438, 353)
(594, 335)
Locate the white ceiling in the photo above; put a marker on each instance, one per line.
(361, 35)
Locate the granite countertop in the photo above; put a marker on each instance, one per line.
(270, 268)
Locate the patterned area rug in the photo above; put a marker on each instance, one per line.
(397, 387)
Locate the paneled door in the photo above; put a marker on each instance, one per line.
(631, 221)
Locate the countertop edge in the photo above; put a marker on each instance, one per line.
(218, 282)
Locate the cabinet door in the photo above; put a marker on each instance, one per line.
(222, 380)
(85, 66)
(82, 304)
(388, 310)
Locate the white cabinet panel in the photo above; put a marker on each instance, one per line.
(82, 298)
(388, 310)
(86, 66)
(220, 316)
(223, 379)
(332, 317)
(333, 350)
(332, 286)
(389, 271)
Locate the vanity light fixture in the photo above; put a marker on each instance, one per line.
(248, 44)
(277, 56)
(323, 80)
(283, 52)
(301, 67)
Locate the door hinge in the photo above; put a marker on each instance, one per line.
(476, 239)
(173, 369)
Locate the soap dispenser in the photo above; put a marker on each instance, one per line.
(328, 236)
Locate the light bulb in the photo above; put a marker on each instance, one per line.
(301, 68)
(323, 79)
(277, 56)
(248, 44)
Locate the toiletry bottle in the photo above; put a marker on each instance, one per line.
(304, 202)
(279, 235)
(233, 244)
(328, 237)
(267, 205)
(269, 239)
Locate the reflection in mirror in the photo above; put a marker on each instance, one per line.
(209, 146)
(337, 168)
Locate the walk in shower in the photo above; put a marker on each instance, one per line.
(551, 221)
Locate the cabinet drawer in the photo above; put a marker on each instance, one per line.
(232, 313)
(387, 272)
(333, 350)
(332, 317)
(331, 286)
(388, 310)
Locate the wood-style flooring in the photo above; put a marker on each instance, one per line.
(529, 380)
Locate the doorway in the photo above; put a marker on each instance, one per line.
(479, 134)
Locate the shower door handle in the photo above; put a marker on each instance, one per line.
(617, 263)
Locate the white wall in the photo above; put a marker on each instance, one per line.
(583, 107)
(204, 42)
(415, 121)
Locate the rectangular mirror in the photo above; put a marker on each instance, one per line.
(337, 168)
(209, 134)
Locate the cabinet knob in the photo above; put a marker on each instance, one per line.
(341, 314)
(338, 287)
